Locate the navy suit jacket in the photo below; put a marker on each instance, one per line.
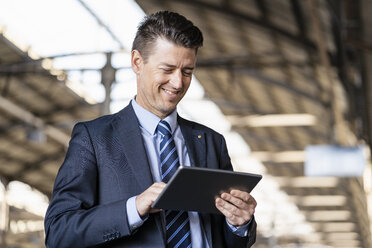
(105, 165)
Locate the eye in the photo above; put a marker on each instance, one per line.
(167, 70)
(187, 73)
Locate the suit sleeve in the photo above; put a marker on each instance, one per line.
(231, 239)
(74, 218)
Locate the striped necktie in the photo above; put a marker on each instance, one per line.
(177, 222)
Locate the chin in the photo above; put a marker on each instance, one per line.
(169, 110)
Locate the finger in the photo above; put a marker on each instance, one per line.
(244, 213)
(233, 210)
(229, 207)
(159, 185)
(156, 188)
(147, 198)
(224, 208)
(229, 211)
(245, 196)
(238, 202)
(154, 191)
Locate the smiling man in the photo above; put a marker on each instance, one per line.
(164, 77)
(117, 165)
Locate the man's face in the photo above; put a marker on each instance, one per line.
(165, 77)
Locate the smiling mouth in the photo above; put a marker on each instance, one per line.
(171, 92)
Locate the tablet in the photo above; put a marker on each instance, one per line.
(195, 189)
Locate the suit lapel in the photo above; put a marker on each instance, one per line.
(127, 128)
(195, 141)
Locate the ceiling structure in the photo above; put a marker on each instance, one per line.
(37, 113)
(269, 58)
(260, 59)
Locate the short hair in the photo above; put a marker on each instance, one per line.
(169, 25)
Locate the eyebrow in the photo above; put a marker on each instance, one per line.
(169, 65)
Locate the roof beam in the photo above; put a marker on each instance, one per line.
(247, 60)
(27, 117)
(328, 215)
(268, 80)
(10, 44)
(259, 22)
(273, 120)
(271, 81)
(280, 157)
(21, 67)
(27, 167)
(7, 157)
(299, 16)
(286, 68)
(335, 226)
(259, 140)
(320, 200)
(309, 182)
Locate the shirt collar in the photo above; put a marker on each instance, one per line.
(149, 121)
(172, 120)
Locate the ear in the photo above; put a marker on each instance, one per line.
(137, 61)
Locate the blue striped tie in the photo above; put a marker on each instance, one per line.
(177, 222)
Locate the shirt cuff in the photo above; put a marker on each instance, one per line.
(134, 219)
(241, 231)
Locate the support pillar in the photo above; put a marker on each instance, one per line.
(107, 79)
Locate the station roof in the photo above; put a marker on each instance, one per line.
(265, 62)
(260, 60)
(38, 111)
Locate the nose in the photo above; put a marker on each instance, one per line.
(176, 79)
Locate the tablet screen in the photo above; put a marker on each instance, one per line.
(195, 189)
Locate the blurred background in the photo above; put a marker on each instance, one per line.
(287, 82)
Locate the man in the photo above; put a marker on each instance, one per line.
(117, 165)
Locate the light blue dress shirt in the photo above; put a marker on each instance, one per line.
(148, 124)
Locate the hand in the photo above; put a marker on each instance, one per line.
(147, 198)
(238, 206)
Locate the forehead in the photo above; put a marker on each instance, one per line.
(164, 51)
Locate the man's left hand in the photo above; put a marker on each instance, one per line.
(238, 206)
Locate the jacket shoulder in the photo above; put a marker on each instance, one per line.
(105, 121)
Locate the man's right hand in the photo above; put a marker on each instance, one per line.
(147, 198)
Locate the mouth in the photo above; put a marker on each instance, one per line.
(171, 93)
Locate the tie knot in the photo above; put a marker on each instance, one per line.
(164, 128)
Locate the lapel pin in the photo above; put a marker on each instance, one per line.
(199, 136)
